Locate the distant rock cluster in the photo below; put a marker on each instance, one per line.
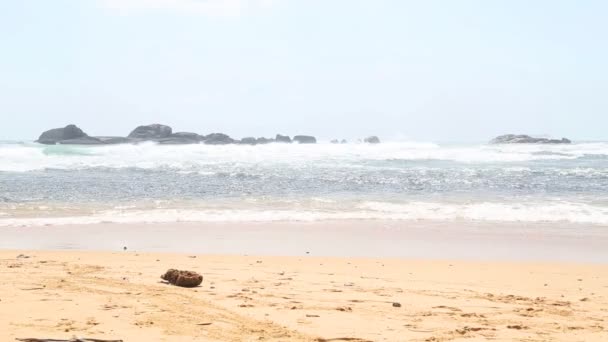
(526, 139)
(162, 134)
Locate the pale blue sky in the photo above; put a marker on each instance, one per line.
(423, 70)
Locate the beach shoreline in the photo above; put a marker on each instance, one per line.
(119, 295)
(562, 242)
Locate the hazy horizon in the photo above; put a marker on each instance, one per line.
(438, 71)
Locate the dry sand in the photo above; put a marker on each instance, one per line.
(248, 298)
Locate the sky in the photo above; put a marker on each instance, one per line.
(431, 70)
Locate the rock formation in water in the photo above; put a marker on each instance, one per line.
(372, 140)
(70, 134)
(114, 140)
(218, 139)
(151, 132)
(262, 140)
(526, 139)
(181, 138)
(282, 138)
(248, 141)
(163, 134)
(305, 139)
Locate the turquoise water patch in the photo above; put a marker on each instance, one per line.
(67, 150)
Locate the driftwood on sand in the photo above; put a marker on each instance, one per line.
(72, 340)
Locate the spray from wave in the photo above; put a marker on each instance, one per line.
(32, 157)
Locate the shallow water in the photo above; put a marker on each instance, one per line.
(41, 185)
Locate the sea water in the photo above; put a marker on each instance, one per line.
(60, 184)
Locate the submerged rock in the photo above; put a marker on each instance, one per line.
(526, 139)
(54, 136)
(305, 139)
(182, 278)
(282, 138)
(372, 140)
(151, 132)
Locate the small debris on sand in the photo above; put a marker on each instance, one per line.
(182, 278)
(396, 305)
(516, 327)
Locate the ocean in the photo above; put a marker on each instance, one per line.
(56, 185)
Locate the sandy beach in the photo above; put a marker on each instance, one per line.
(119, 295)
(306, 171)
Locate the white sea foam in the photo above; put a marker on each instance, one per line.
(488, 211)
(199, 158)
(413, 211)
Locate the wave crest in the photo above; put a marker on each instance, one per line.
(33, 157)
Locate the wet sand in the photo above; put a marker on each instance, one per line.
(400, 239)
(119, 295)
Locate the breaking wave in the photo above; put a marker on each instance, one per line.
(32, 157)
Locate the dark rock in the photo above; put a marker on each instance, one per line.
(396, 305)
(282, 138)
(114, 140)
(335, 141)
(261, 141)
(526, 139)
(81, 141)
(305, 139)
(343, 141)
(181, 138)
(218, 139)
(248, 141)
(187, 135)
(151, 132)
(372, 140)
(182, 278)
(56, 135)
(177, 141)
